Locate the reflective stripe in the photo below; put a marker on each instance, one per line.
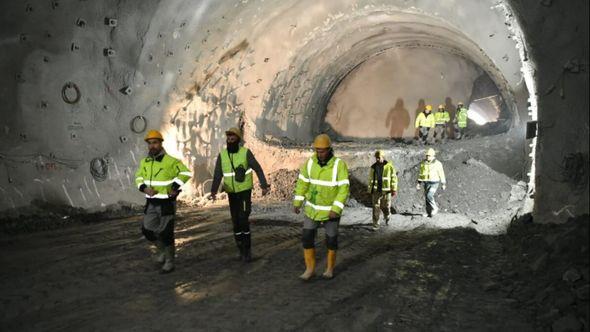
(239, 233)
(335, 170)
(343, 182)
(227, 175)
(299, 198)
(303, 178)
(319, 207)
(158, 196)
(158, 183)
(329, 183)
(185, 173)
(178, 181)
(245, 233)
(139, 178)
(338, 204)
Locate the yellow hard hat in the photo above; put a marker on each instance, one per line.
(322, 141)
(460, 103)
(379, 153)
(234, 131)
(430, 152)
(441, 107)
(153, 134)
(429, 107)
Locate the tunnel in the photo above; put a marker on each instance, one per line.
(85, 81)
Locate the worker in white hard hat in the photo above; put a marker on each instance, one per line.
(431, 176)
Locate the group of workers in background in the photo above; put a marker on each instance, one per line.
(434, 127)
(321, 192)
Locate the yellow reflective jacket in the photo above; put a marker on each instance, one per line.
(442, 117)
(161, 173)
(431, 171)
(322, 189)
(389, 178)
(423, 120)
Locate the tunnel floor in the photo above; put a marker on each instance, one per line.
(101, 277)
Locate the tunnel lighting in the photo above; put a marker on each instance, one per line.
(475, 115)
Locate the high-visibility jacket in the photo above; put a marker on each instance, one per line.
(229, 163)
(322, 189)
(431, 171)
(442, 117)
(160, 174)
(423, 120)
(389, 178)
(461, 117)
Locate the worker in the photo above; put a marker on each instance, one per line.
(382, 186)
(160, 177)
(322, 188)
(460, 120)
(441, 121)
(235, 164)
(431, 176)
(425, 124)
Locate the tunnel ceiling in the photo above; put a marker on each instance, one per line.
(84, 79)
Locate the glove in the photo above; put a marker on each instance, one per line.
(418, 186)
(444, 187)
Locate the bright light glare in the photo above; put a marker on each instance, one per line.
(474, 115)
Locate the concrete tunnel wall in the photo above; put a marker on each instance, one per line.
(195, 68)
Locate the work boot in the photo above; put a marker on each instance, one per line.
(309, 256)
(247, 255)
(331, 262)
(169, 260)
(160, 255)
(240, 246)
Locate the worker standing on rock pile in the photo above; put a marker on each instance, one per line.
(382, 186)
(431, 175)
(322, 188)
(441, 120)
(235, 164)
(159, 177)
(425, 124)
(460, 120)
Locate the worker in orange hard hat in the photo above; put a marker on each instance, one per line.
(425, 124)
(322, 190)
(235, 165)
(160, 177)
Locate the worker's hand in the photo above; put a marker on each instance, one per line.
(418, 186)
(265, 191)
(173, 193)
(393, 194)
(333, 215)
(149, 191)
(213, 196)
(296, 210)
(444, 186)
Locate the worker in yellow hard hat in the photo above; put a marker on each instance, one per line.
(460, 120)
(441, 121)
(430, 177)
(235, 165)
(160, 177)
(322, 190)
(425, 124)
(382, 186)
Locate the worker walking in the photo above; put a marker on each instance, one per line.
(425, 124)
(460, 120)
(382, 186)
(160, 177)
(441, 122)
(431, 176)
(235, 164)
(322, 188)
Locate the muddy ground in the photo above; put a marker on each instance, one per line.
(100, 277)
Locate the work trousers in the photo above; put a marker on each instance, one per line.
(240, 206)
(430, 188)
(381, 202)
(440, 132)
(310, 228)
(158, 222)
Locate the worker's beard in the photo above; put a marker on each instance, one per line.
(155, 152)
(233, 147)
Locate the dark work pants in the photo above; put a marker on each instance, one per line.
(240, 206)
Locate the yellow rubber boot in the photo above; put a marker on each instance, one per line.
(331, 262)
(309, 255)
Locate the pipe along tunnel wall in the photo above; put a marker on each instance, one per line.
(83, 80)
